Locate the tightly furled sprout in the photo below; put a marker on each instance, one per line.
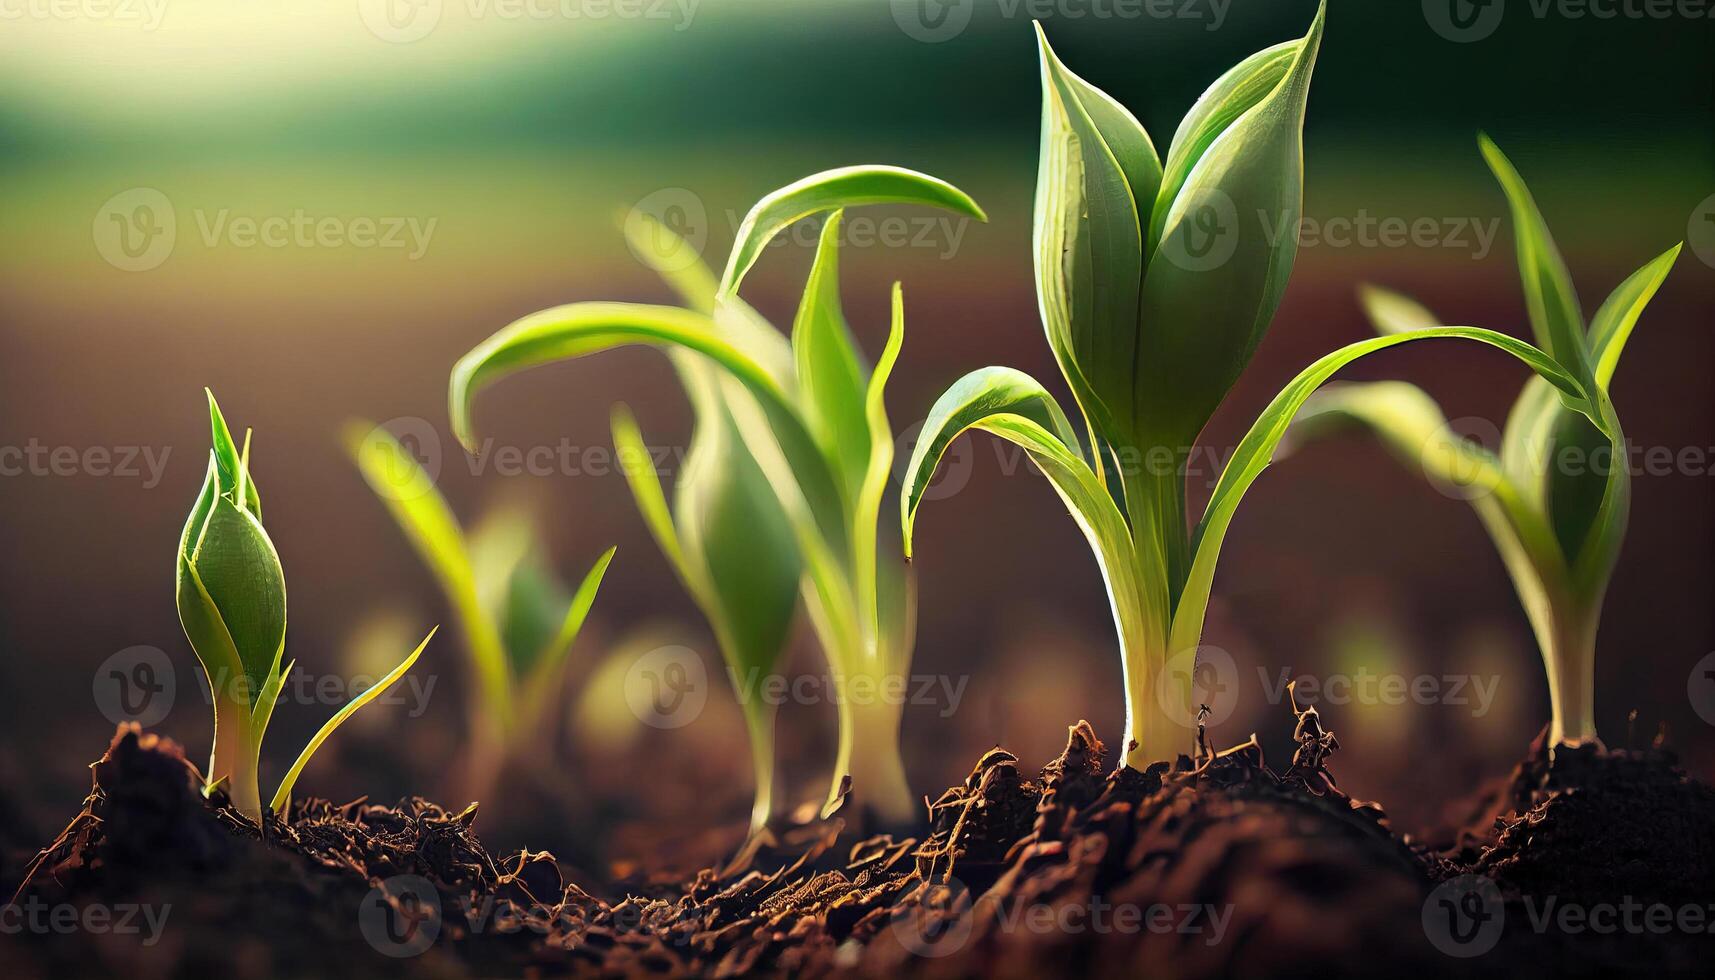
(1156, 281)
(810, 418)
(232, 604)
(518, 625)
(1558, 528)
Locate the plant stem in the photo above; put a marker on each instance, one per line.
(869, 754)
(759, 719)
(1569, 655)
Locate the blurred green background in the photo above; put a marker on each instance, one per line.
(512, 137)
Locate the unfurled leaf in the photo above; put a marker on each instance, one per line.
(283, 795)
(830, 191)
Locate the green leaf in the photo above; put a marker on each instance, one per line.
(976, 396)
(226, 457)
(831, 190)
(1228, 241)
(283, 795)
(1256, 450)
(1231, 96)
(697, 287)
(866, 516)
(237, 566)
(1613, 323)
(638, 466)
(410, 496)
(1555, 316)
(1088, 245)
(542, 684)
(830, 373)
(586, 328)
(1390, 312)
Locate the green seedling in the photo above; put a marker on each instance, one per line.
(232, 604)
(518, 623)
(1156, 281)
(809, 416)
(1555, 498)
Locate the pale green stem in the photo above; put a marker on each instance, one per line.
(759, 719)
(1569, 655)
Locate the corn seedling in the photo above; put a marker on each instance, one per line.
(232, 604)
(1155, 283)
(809, 417)
(518, 623)
(1558, 527)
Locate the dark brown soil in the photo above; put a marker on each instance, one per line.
(1224, 869)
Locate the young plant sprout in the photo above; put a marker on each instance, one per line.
(1558, 527)
(725, 533)
(232, 603)
(1155, 282)
(518, 623)
(810, 417)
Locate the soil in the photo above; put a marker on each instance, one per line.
(1219, 867)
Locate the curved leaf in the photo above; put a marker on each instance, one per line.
(1257, 448)
(828, 191)
(237, 566)
(979, 395)
(283, 795)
